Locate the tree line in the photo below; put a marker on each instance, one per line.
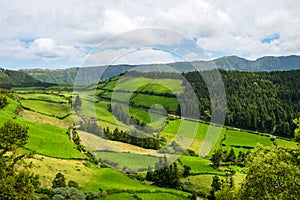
(259, 101)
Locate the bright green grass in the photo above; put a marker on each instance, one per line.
(44, 139)
(235, 137)
(51, 109)
(44, 97)
(129, 160)
(120, 196)
(150, 100)
(209, 134)
(199, 165)
(107, 178)
(287, 144)
(159, 196)
(100, 110)
(118, 96)
(140, 83)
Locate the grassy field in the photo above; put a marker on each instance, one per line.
(235, 137)
(159, 196)
(199, 183)
(100, 110)
(200, 137)
(199, 165)
(47, 108)
(129, 160)
(44, 97)
(45, 139)
(43, 119)
(150, 100)
(93, 142)
(286, 143)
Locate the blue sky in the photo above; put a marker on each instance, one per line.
(58, 34)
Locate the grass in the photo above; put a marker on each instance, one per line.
(47, 108)
(199, 165)
(129, 83)
(287, 144)
(43, 119)
(93, 142)
(45, 139)
(241, 138)
(107, 178)
(120, 196)
(151, 100)
(200, 137)
(100, 110)
(47, 168)
(159, 196)
(128, 160)
(200, 183)
(44, 97)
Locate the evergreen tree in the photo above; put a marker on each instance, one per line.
(59, 181)
(231, 156)
(216, 158)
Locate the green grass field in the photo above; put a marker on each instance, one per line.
(45, 139)
(199, 165)
(47, 108)
(128, 160)
(44, 97)
(150, 100)
(287, 144)
(235, 137)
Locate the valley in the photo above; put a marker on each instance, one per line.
(105, 137)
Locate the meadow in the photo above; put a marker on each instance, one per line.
(48, 108)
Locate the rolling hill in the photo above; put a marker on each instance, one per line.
(9, 79)
(68, 76)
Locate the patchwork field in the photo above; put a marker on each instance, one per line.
(48, 108)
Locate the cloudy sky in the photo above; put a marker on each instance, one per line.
(63, 33)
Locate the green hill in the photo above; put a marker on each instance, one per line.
(68, 76)
(9, 79)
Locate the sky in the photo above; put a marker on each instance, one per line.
(64, 33)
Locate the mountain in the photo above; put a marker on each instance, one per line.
(68, 76)
(9, 79)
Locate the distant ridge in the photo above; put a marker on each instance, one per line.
(10, 78)
(68, 76)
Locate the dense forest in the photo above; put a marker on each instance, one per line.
(261, 101)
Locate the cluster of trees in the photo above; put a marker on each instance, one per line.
(164, 175)
(62, 190)
(3, 101)
(225, 156)
(133, 137)
(78, 103)
(15, 181)
(260, 101)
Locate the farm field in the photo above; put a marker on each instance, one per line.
(130, 161)
(48, 108)
(58, 98)
(233, 137)
(150, 100)
(199, 165)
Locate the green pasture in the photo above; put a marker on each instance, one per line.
(47, 108)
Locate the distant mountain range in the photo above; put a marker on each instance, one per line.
(10, 78)
(68, 76)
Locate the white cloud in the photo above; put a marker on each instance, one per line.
(231, 27)
(128, 55)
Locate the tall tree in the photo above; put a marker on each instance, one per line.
(273, 173)
(297, 130)
(15, 182)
